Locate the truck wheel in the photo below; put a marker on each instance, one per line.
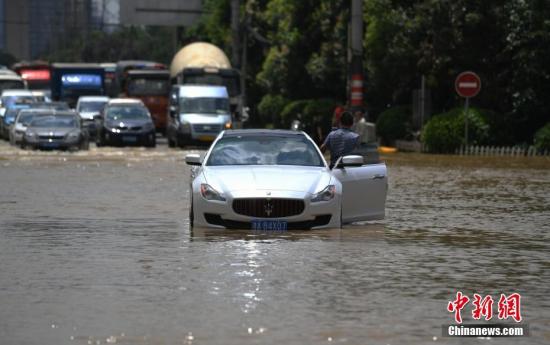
(180, 142)
(100, 141)
(191, 215)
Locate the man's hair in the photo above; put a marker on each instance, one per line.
(346, 119)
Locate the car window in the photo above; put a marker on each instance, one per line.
(121, 113)
(92, 106)
(61, 121)
(264, 150)
(8, 101)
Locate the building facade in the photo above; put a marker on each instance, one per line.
(31, 29)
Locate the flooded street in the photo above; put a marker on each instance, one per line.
(96, 248)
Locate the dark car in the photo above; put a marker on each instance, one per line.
(9, 119)
(59, 130)
(125, 122)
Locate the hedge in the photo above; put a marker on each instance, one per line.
(542, 138)
(393, 124)
(444, 133)
(270, 108)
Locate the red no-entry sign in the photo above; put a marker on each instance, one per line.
(467, 84)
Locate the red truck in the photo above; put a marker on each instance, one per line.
(149, 82)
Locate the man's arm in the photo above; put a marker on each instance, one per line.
(326, 143)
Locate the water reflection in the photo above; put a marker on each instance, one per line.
(101, 248)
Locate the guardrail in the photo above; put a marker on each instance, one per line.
(517, 151)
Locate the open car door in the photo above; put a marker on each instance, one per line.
(364, 191)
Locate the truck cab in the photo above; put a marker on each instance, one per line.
(197, 113)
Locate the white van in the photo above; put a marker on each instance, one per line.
(197, 113)
(11, 80)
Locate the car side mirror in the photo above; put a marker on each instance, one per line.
(193, 159)
(349, 161)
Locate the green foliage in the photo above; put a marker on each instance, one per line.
(293, 111)
(542, 138)
(394, 123)
(125, 44)
(6, 59)
(444, 133)
(270, 108)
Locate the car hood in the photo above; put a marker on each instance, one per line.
(52, 131)
(128, 123)
(88, 115)
(252, 180)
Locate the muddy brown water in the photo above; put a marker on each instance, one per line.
(95, 248)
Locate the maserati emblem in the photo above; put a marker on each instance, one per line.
(268, 208)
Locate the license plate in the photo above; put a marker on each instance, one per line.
(206, 138)
(129, 139)
(50, 145)
(269, 225)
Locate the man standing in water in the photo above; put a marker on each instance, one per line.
(341, 141)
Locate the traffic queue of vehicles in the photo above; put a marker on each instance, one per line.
(193, 99)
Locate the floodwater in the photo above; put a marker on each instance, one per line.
(95, 248)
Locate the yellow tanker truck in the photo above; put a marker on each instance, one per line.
(202, 63)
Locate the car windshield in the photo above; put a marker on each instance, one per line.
(91, 107)
(55, 121)
(265, 150)
(148, 86)
(120, 113)
(8, 101)
(204, 105)
(11, 84)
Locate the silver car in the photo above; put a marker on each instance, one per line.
(278, 180)
(59, 130)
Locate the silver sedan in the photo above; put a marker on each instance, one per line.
(278, 180)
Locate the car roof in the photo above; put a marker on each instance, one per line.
(93, 98)
(261, 131)
(124, 101)
(17, 92)
(52, 112)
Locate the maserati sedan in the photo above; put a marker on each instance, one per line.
(273, 180)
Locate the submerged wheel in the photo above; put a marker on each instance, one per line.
(191, 215)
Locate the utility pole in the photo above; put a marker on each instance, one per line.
(236, 33)
(356, 63)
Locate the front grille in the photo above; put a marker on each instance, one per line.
(135, 128)
(54, 137)
(268, 208)
(207, 128)
(216, 219)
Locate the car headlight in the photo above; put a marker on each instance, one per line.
(114, 130)
(31, 135)
(210, 193)
(325, 195)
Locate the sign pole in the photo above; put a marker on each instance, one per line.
(466, 106)
(467, 85)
